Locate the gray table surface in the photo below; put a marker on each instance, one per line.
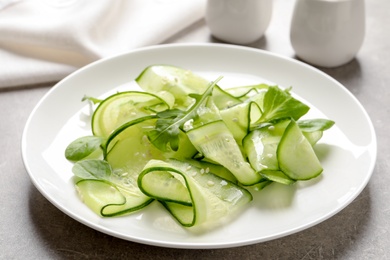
(32, 228)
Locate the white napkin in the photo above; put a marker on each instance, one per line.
(45, 40)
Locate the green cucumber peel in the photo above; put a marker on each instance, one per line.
(105, 145)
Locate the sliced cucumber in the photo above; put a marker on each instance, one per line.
(123, 107)
(313, 137)
(130, 150)
(261, 144)
(216, 142)
(277, 176)
(107, 200)
(238, 119)
(216, 169)
(258, 98)
(177, 81)
(194, 196)
(121, 133)
(245, 92)
(313, 128)
(296, 156)
(99, 194)
(223, 99)
(165, 184)
(261, 185)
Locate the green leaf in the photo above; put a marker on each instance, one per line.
(167, 129)
(279, 104)
(82, 147)
(92, 99)
(92, 169)
(311, 125)
(170, 122)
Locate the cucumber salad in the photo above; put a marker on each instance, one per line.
(198, 149)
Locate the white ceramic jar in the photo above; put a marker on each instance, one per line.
(238, 21)
(327, 33)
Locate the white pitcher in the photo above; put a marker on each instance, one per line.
(327, 33)
(238, 21)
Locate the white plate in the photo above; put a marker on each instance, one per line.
(347, 151)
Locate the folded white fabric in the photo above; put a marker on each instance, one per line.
(45, 40)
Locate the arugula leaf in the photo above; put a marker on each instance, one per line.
(167, 129)
(279, 104)
(92, 169)
(170, 122)
(311, 125)
(82, 147)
